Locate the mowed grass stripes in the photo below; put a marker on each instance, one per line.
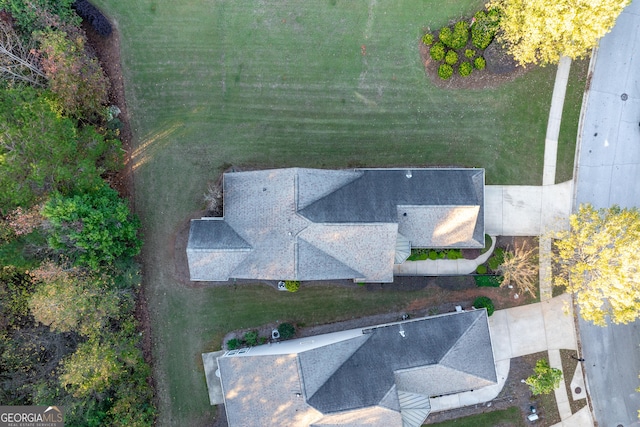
(322, 83)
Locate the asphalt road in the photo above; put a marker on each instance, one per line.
(608, 172)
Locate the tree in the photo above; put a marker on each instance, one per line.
(75, 77)
(41, 151)
(545, 378)
(36, 15)
(29, 353)
(91, 369)
(93, 229)
(599, 261)
(541, 31)
(520, 269)
(18, 63)
(71, 301)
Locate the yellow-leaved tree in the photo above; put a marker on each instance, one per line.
(541, 31)
(599, 261)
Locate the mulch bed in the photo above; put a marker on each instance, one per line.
(502, 71)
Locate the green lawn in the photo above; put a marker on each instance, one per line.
(507, 417)
(211, 83)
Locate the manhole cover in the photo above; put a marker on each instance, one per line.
(624, 96)
(578, 390)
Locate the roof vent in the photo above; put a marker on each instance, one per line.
(408, 174)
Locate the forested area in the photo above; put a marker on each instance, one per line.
(69, 281)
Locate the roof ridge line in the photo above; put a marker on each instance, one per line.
(444, 356)
(298, 237)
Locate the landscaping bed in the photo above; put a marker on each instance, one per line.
(514, 394)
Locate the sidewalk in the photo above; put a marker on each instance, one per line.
(538, 211)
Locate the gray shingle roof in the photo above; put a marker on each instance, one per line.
(373, 197)
(378, 375)
(310, 224)
(365, 378)
(255, 393)
(214, 234)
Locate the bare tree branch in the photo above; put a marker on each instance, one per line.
(17, 61)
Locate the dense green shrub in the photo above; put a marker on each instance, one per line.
(482, 269)
(433, 255)
(479, 63)
(251, 338)
(460, 35)
(48, 152)
(484, 28)
(451, 57)
(418, 254)
(286, 330)
(484, 302)
(92, 229)
(36, 15)
(445, 71)
(488, 241)
(234, 343)
(427, 39)
(437, 51)
(465, 68)
(446, 36)
(496, 259)
(292, 285)
(454, 254)
(469, 53)
(488, 281)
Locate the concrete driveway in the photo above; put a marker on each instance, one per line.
(523, 210)
(533, 328)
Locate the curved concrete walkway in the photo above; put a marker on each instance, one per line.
(441, 267)
(545, 326)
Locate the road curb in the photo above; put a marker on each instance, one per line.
(583, 109)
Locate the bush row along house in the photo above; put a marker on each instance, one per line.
(311, 224)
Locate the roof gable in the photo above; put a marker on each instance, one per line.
(368, 249)
(441, 226)
(314, 184)
(385, 372)
(211, 234)
(373, 197)
(366, 377)
(314, 264)
(308, 224)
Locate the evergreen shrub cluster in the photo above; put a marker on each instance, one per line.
(463, 39)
